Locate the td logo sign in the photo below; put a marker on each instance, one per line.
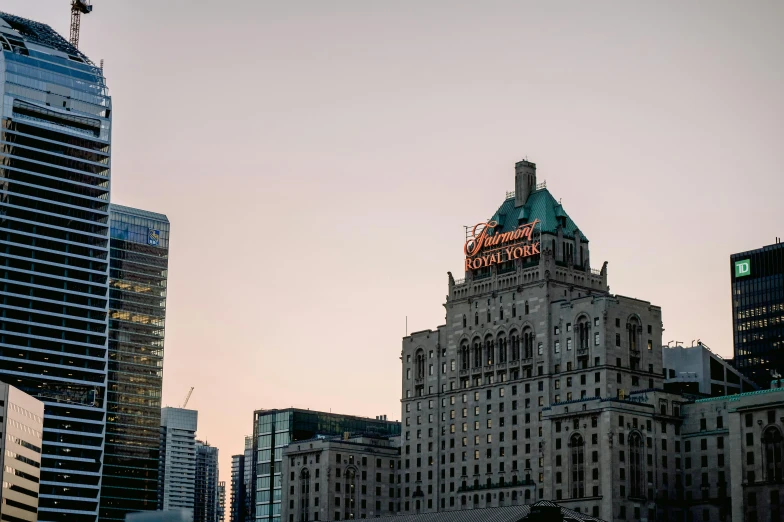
(743, 268)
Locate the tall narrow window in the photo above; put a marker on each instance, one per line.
(634, 329)
(636, 473)
(420, 364)
(528, 343)
(583, 331)
(476, 318)
(576, 444)
(304, 483)
(350, 493)
(465, 357)
(502, 350)
(515, 342)
(773, 447)
(464, 321)
(489, 351)
(488, 317)
(526, 308)
(477, 354)
(514, 310)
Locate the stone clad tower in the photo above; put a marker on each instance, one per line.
(513, 399)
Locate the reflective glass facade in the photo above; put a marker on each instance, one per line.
(274, 429)
(54, 254)
(206, 500)
(138, 266)
(758, 312)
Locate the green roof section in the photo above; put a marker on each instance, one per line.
(540, 205)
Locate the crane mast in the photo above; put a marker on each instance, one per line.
(187, 397)
(78, 8)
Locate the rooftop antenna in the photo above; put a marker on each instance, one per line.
(78, 8)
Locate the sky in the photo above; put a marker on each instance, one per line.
(318, 161)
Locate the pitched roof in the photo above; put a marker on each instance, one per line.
(540, 205)
(499, 514)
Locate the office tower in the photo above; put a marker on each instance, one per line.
(758, 312)
(340, 478)
(206, 494)
(54, 251)
(138, 265)
(21, 437)
(249, 479)
(238, 491)
(221, 501)
(177, 468)
(275, 429)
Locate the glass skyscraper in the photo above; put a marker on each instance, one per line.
(137, 311)
(54, 254)
(274, 429)
(758, 312)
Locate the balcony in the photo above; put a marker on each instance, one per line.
(634, 352)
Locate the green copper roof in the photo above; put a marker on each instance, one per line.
(541, 205)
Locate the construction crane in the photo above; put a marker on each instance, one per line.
(78, 8)
(187, 397)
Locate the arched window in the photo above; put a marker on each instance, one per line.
(526, 308)
(578, 465)
(420, 364)
(477, 354)
(489, 351)
(464, 321)
(350, 493)
(773, 447)
(514, 310)
(583, 331)
(501, 313)
(304, 482)
(528, 342)
(476, 318)
(465, 356)
(502, 350)
(514, 340)
(488, 316)
(634, 329)
(636, 472)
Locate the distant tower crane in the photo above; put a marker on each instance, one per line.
(78, 8)
(187, 398)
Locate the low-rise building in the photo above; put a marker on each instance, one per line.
(21, 439)
(696, 370)
(340, 478)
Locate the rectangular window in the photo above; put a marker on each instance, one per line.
(596, 339)
(557, 346)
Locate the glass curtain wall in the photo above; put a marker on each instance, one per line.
(137, 312)
(54, 254)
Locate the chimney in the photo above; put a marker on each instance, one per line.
(525, 181)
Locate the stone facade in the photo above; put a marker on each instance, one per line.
(542, 384)
(339, 479)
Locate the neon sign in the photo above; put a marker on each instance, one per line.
(483, 250)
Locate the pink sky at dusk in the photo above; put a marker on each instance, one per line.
(318, 161)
